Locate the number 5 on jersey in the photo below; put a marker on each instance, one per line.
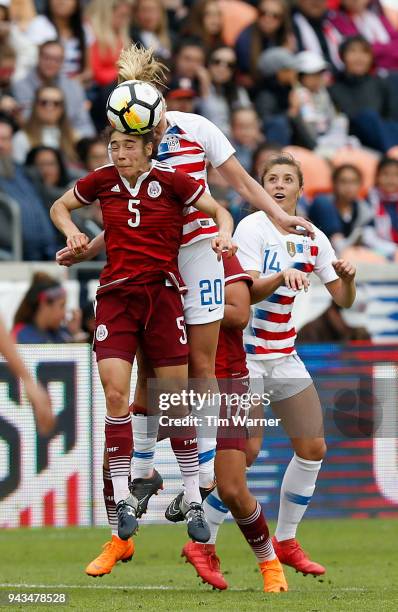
(134, 221)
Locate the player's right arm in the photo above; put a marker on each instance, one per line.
(60, 214)
(36, 394)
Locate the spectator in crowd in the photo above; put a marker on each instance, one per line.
(347, 220)
(48, 125)
(356, 17)
(39, 238)
(110, 22)
(93, 153)
(331, 327)
(8, 60)
(49, 173)
(315, 32)
(63, 19)
(150, 27)
(326, 126)
(384, 200)
(189, 62)
(181, 96)
(48, 72)
(277, 102)
(205, 21)
(41, 315)
(223, 94)
(22, 13)
(12, 35)
(246, 134)
(365, 98)
(88, 322)
(271, 29)
(260, 157)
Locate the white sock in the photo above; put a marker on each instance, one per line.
(120, 488)
(216, 513)
(207, 439)
(298, 485)
(145, 434)
(186, 453)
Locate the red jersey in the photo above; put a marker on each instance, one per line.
(231, 356)
(143, 224)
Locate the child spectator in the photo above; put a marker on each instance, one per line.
(181, 96)
(347, 220)
(329, 129)
(246, 134)
(365, 98)
(384, 200)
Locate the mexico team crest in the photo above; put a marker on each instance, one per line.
(154, 189)
(101, 333)
(291, 248)
(172, 143)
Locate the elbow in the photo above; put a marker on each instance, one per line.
(243, 321)
(53, 211)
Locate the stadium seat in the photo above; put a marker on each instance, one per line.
(363, 159)
(317, 173)
(237, 16)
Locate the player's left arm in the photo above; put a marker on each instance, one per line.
(60, 213)
(222, 217)
(237, 305)
(343, 289)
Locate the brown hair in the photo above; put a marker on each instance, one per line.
(195, 25)
(34, 126)
(162, 31)
(43, 288)
(280, 39)
(340, 169)
(283, 159)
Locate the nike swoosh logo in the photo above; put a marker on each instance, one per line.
(211, 309)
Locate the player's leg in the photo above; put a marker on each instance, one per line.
(115, 549)
(115, 377)
(301, 417)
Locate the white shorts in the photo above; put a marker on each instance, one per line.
(203, 274)
(282, 378)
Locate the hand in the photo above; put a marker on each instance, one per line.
(66, 257)
(295, 225)
(78, 242)
(74, 324)
(344, 270)
(223, 244)
(295, 279)
(41, 403)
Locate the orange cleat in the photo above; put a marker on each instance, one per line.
(274, 578)
(204, 559)
(113, 551)
(290, 553)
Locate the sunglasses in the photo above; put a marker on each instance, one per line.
(47, 102)
(220, 62)
(265, 13)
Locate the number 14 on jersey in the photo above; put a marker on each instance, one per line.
(270, 259)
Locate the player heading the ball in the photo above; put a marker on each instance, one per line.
(142, 203)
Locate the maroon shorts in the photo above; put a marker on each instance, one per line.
(150, 315)
(232, 434)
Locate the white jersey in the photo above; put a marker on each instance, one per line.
(270, 333)
(188, 144)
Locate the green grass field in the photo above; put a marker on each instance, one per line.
(361, 559)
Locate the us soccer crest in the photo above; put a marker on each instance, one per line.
(154, 189)
(291, 248)
(172, 142)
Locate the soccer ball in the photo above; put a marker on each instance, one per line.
(134, 107)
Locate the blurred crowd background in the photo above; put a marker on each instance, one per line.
(319, 77)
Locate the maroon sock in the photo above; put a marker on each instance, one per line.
(109, 501)
(119, 444)
(186, 452)
(255, 530)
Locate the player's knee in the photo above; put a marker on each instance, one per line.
(315, 450)
(201, 365)
(116, 402)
